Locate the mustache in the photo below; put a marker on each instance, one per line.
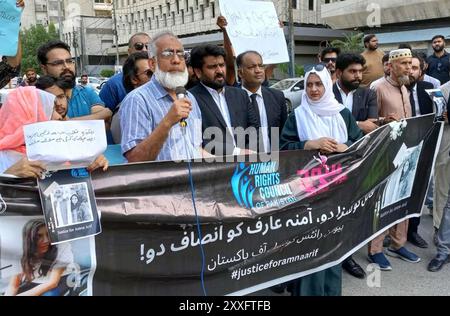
(67, 71)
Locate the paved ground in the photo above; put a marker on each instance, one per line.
(404, 279)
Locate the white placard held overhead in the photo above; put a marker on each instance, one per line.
(68, 144)
(254, 25)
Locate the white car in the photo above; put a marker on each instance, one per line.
(93, 82)
(292, 89)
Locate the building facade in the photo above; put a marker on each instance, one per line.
(194, 21)
(393, 21)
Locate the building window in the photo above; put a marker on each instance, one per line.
(145, 14)
(149, 24)
(213, 9)
(153, 13)
(294, 4)
(192, 14)
(168, 7)
(311, 5)
(202, 11)
(196, 4)
(178, 6)
(165, 20)
(182, 16)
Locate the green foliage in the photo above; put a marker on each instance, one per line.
(107, 73)
(32, 39)
(353, 43)
(299, 70)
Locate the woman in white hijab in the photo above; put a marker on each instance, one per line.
(319, 123)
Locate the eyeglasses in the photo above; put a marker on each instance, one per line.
(327, 60)
(318, 67)
(147, 72)
(170, 53)
(140, 46)
(61, 62)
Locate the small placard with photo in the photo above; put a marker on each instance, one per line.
(68, 202)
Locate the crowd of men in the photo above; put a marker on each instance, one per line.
(142, 108)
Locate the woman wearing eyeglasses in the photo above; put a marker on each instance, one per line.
(319, 123)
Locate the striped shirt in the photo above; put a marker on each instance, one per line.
(144, 108)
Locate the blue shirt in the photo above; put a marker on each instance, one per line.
(113, 91)
(82, 100)
(142, 111)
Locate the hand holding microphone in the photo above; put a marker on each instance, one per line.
(181, 94)
(180, 109)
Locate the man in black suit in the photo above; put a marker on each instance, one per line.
(421, 104)
(362, 102)
(224, 109)
(269, 103)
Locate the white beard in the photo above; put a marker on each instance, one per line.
(171, 80)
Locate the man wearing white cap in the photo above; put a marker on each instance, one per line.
(394, 104)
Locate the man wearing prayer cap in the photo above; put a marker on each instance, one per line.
(394, 104)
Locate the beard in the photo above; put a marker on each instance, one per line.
(171, 80)
(32, 79)
(412, 82)
(438, 49)
(68, 79)
(351, 85)
(215, 84)
(403, 80)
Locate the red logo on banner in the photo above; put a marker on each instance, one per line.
(319, 179)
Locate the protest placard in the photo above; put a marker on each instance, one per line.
(254, 25)
(10, 22)
(63, 145)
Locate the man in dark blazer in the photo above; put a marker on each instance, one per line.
(362, 102)
(224, 109)
(269, 103)
(421, 104)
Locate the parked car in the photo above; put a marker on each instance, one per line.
(292, 89)
(94, 82)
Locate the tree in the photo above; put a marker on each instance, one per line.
(107, 73)
(353, 43)
(299, 70)
(32, 39)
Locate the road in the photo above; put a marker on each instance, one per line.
(404, 279)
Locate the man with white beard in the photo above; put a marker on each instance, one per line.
(150, 115)
(394, 104)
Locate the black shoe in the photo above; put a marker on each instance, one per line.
(387, 241)
(437, 263)
(353, 268)
(417, 240)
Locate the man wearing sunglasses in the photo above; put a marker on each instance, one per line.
(84, 104)
(328, 57)
(113, 91)
(373, 56)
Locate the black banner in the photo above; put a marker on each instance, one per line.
(261, 223)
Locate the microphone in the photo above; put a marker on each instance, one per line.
(181, 94)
